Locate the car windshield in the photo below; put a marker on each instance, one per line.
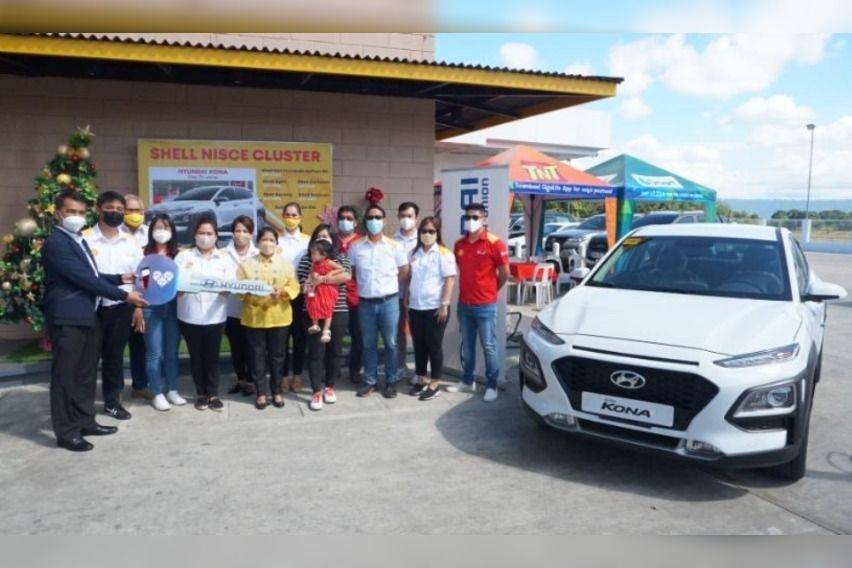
(654, 219)
(198, 194)
(710, 266)
(594, 223)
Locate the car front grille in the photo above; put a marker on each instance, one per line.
(688, 393)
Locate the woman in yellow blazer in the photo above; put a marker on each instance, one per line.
(268, 318)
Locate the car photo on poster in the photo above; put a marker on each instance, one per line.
(223, 202)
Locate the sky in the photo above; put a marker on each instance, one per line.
(727, 107)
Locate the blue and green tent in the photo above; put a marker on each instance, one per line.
(637, 180)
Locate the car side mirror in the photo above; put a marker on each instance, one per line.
(819, 291)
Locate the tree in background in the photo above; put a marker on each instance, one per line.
(21, 272)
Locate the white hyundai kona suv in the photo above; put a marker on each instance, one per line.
(699, 341)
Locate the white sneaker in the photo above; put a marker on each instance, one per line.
(160, 403)
(329, 396)
(316, 401)
(462, 386)
(490, 395)
(175, 398)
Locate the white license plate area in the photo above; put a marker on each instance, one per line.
(628, 409)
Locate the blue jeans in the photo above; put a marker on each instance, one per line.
(480, 319)
(162, 339)
(375, 318)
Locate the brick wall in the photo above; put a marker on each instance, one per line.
(386, 142)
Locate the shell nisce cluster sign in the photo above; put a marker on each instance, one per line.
(226, 179)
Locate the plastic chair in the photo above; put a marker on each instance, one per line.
(541, 283)
(517, 284)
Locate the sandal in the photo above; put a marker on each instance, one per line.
(278, 401)
(261, 405)
(326, 336)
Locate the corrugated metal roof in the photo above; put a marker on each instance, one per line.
(338, 55)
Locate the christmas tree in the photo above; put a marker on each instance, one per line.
(21, 272)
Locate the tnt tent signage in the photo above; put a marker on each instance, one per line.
(227, 179)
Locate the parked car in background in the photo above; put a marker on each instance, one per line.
(572, 242)
(517, 236)
(223, 202)
(695, 341)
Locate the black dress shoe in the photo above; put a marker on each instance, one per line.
(75, 444)
(99, 430)
(390, 391)
(365, 390)
(118, 412)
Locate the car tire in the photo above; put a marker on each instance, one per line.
(795, 469)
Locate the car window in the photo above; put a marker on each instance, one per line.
(240, 193)
(803, 270)
(710, 266)
(198, 194)
(594, 223)
(228, 194)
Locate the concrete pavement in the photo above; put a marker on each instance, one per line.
(453, 465)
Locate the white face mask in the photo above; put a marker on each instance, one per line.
(346, 226)
(407, 223)
(205, 242)
(473, 226)
(161, 236)
(74, 223)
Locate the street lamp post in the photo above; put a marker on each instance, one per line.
(810, 127)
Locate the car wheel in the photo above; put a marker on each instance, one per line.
(795, 469)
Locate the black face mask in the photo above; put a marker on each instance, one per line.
(112, 218)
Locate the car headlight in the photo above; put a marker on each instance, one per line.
(771, 400)
(777, 355)
(542, 331)
(533, 378)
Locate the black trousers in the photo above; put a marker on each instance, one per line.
(73, 377)
(138, 374)
(357, 344)
(295, 360)
(240, 351)
(267, 346)
(428, 336)
(204, 343)
(324, 358)
(116, 332)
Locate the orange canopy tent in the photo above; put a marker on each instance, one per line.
(535, 177)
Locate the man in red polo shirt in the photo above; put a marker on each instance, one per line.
(483, 264)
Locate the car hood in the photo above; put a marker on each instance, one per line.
(727, 326)
(572, 233)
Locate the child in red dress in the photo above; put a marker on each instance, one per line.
(321, 297)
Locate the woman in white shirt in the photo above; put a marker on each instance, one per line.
(432, 275)
(294, 245)
(239, 249)
(202, 315)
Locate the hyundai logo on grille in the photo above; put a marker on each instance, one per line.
(627, 380)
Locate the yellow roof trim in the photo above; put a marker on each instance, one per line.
(304, 63)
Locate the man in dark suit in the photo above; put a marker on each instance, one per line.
(73, 288)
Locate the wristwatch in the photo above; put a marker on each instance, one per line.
(446, 304)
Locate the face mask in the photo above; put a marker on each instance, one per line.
(73, 223)
(133, 220)
(292, 223)
(205, 242)
(346, 226)
(428, 239)
(375, 226)
(472, 226)
(112, 218)
(407, 223)
(161, 236)
(242, 239)
(267, 248)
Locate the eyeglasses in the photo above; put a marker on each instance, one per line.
(471, 217)
(428, 232)
(374, 217)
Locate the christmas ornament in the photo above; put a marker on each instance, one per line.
(25, 264)
(26, 227)
(8, 239)
(83, 153)
(63, 179)
(6, 286)
(62, 150)
(374, 195)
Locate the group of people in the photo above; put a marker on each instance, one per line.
(338, 281)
